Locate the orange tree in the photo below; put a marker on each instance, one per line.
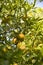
(21, 33)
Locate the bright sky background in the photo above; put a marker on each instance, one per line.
(38, 4)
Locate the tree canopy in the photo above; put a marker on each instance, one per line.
(21, 33)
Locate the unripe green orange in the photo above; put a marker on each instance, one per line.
(4, 49)
(8, 47)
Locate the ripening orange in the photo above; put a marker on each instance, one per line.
(21, 35)
(15, 64)
(21, 45)
(14, 40)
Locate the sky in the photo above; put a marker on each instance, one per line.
(38, 4)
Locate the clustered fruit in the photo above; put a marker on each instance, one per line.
(19, 41)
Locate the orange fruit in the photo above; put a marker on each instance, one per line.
(21, 35)
(21, 45)
(4, 49)
(9, 47)
(14, 40)
(33, 61)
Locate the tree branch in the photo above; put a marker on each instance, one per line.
(34, 3)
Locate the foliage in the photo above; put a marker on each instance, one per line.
(21, 33)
